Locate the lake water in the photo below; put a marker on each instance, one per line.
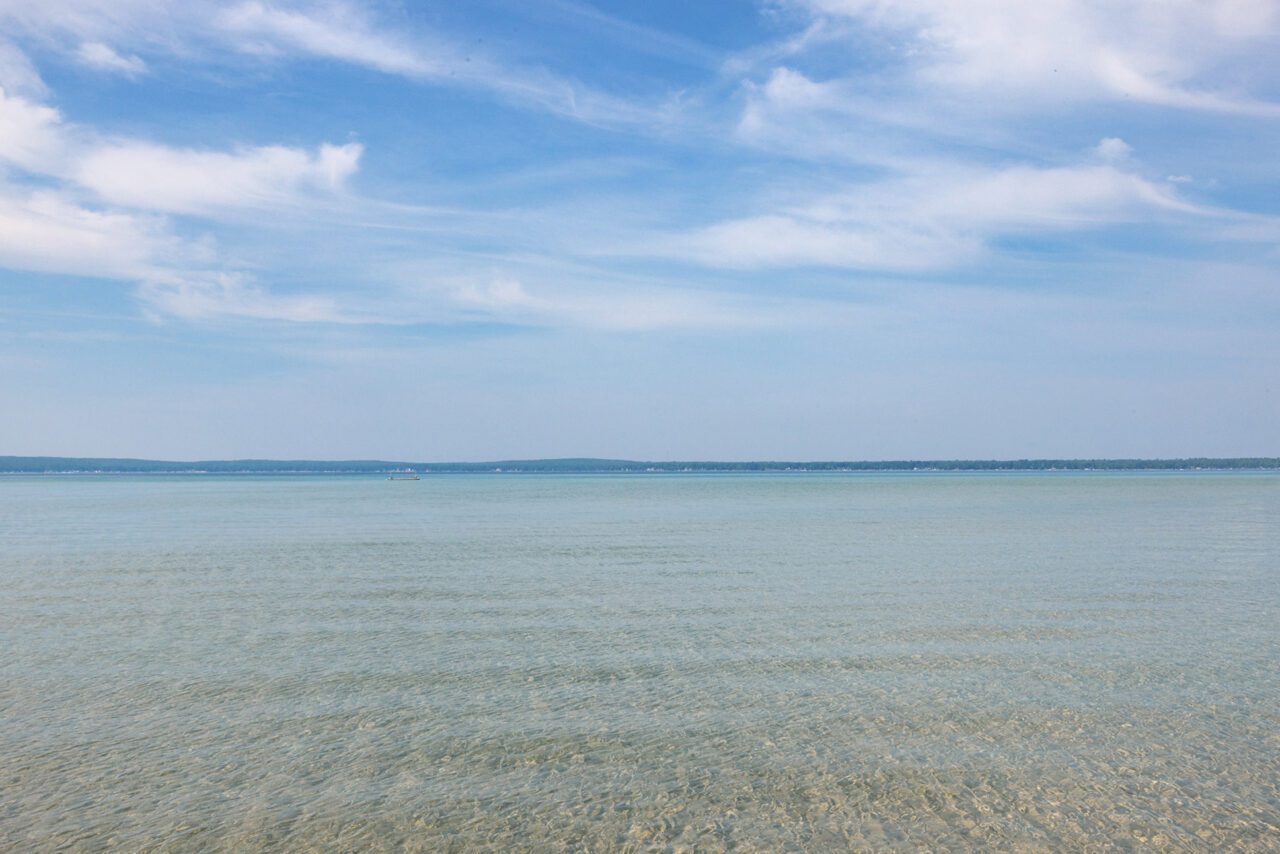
(750, 663)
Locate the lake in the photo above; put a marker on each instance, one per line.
(1049, 661)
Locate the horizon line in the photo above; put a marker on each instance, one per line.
(13, 464)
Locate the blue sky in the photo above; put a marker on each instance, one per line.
(793, 229)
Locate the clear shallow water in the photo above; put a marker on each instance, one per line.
(750, 663)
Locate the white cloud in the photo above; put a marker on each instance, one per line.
(775, 240)
(926, 74)
(17, 74)
(149, 176)
(103, 57)
(429, 294)
(44, 230)
(1113, 150)
(1026, 198)
(233, 295)
(640, 310)
(31, 134)
(92, 20)
(1158, 51)
(842, 120)
(927, 219)
(155, 177)
(116, 34)
(1123, 79)
(933, 220)
(786, 90)
(340, 32)
(335, 31)
(48, 227)
(499, 294)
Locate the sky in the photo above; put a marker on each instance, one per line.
(785, 229)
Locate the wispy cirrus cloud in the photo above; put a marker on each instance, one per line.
(17, 73)
(145, 175)
(344, 33)
(922, 109)
(32, 135)
(104, 57)
(334, 31)
(161, 178)
(109, 208)
(546, 293)
(222, 295)
(936, 220)
(1162, 52)
(51, 231)
(77, 204)
(117, 36)
(874, 82)
(918, 215)
(607, 305)
(48, 231)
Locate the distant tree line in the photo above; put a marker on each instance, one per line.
(85, 465)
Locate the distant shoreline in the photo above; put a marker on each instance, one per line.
(95, 465)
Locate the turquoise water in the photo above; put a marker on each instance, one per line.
(749, 663)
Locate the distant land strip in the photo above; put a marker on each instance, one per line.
(94, 465)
